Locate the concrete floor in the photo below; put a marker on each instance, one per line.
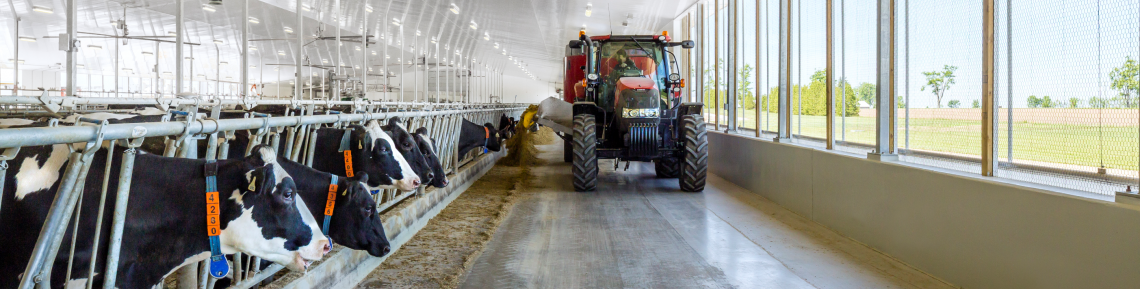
(637, 231)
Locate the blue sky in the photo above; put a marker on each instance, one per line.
(1060, 48)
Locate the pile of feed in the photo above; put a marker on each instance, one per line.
(440, 254)
(520, 147)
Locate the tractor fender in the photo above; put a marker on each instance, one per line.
(688, 108)
(586, 107)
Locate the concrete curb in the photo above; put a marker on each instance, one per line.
(348, 268)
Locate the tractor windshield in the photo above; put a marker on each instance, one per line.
(618, 59)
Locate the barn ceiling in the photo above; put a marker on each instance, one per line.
(530, 35)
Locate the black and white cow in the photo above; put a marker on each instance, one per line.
(166, 215)
(506, 126)
(472, 136)
(428, 147)
(355, 223)
(405, 144)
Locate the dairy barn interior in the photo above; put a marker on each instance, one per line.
(199, 144)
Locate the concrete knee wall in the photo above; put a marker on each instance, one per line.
(971, 231)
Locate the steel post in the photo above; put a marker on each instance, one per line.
(119, 215)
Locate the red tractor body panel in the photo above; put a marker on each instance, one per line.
(572, 85)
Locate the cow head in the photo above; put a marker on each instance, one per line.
(273, 222)
(407, 179)
(494, 141)
(358, 223)
(428, 147)
(406, 145)
(375, 159)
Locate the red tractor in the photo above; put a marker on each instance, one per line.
(626, 96)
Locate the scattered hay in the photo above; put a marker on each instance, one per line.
(545, 136)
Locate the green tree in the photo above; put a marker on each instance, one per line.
(976, 104)
(1033, 101)
(1124, 80)
(900, 102)
(1074, 102)
(954, 104)
(815, 98)
(744, 90)
(866, 92)
(940, 81)
(1048, 103)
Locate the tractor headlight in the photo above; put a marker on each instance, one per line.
(640, 112)
(592, 76)
(674, 77)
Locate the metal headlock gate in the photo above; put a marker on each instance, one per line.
(294, 132)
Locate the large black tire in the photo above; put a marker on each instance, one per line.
(567, 149)
(667, 168)
(585, 147)
(694, 163)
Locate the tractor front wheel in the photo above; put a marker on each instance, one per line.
(694, 163)
(585, 147)
(667, 168)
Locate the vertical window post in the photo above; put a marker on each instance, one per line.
(885, 74)
(988, 88)
(829, 82)
(785, 77)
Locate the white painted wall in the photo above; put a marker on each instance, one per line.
(971, 231)
(526, 90)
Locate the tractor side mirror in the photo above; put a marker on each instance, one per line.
(687, 44)
(575, 44)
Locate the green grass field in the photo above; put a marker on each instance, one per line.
(1084, 145)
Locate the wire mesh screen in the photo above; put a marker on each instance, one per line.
(855, 70)
(746, 75)
(1067, 92)
(809, 61)
(939, 83)
(708, 78)
(769, 79)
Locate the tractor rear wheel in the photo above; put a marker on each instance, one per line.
(585, 147)
(694, 163)
(667, 168)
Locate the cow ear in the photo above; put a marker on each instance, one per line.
(260, 180)
(422, 130)
(393, 121)
(261, 155)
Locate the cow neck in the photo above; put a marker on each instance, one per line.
(346, 150)
(330, 204)
(219, 266)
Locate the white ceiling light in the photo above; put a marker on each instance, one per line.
(252, 48)
(20, 61)
(148, 53)
(79, 66)
(217, 41)
(474, 25)
(281, 52)
(496, 45)
(42, 9)
(324, 61)
(208, 8)
(171, 33)
(373, 52)
(252, 66)
(95, 47)
(589, 9)
(367, 8)
(433, 40)
(486, 36)
(306, 7)
(254, 20)
(224, 63)
(358, 48)
(396, 21)
(288, 30)
(454, 9)
(27, 39)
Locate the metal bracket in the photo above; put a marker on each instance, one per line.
(45, 102)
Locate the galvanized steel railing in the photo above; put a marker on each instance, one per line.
(294, 132)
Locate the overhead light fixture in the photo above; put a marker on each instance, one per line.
(496, 45)
(357, 67)
(252, 48)
(208, 7)
(486, 36)
(474, 25)
(20, 61)
(127, 70)
(288, 30)
(224, 63)
(95, 47)
(369, 69)
(417, 33)
(306, 7)
(79, 66)
(27, 39)
(171, 33)
(188, 58)
(281, 52)
(252, 66)
(396, 21)
(589, 9)
(357, 48)
(254, 20)
(454, 9)
(373, 52)
(42, 9)
(167, 73)
(217, 41)
(229, 77)
(324, 61)
(367, 8)
(148, 53)
(433, 40)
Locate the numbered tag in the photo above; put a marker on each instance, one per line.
(212, 197)
(330, 204)
(219, 266)
(348, 163)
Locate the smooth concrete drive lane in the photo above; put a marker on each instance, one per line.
(638, 231)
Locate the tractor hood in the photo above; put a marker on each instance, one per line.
(636, 83)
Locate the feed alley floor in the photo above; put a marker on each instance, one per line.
(637, 231)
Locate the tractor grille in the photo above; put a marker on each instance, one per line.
(643, 140)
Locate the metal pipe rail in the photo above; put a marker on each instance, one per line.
(21, 137)
(71, 100)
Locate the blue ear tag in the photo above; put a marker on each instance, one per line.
(219, 266)
(374, 192)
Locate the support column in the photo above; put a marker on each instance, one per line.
(885, 90)
(988, 88)
(829, 80)
(179, 59)
(733, 26)
(785, 77)
(298, 54)
(700, 53)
